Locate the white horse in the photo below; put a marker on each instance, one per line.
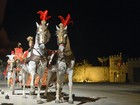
(64, 65)
(10, 62)
(13, 76)
(36, 60)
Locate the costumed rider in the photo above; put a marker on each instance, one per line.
(18, 52)
(30, 39)
(18, 58)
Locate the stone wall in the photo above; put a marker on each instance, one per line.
(92, 74)
(117, 71)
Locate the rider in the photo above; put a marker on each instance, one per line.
(31, 42)
(18, 52)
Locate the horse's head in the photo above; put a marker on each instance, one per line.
(61, 33)
(42, 34)
(10, 61)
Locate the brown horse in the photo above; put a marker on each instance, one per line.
(64, 63)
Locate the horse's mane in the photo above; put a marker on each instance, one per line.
(68, 50)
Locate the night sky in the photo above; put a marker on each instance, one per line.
(101, 27)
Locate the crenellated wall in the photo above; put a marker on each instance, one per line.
(123, 71)
(132, 63)
(117, 71)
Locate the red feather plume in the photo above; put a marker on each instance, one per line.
(43, 15)
(66, 21)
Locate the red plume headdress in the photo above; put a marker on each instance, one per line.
(66, 21)
(43, 15)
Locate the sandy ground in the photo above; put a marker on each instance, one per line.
(84, 94)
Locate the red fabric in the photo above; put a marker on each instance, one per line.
(5, 71)
(25, 54)
(18, 53)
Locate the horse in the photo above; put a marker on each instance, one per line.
(64, 63)
(36, 59)
(9, 68)
(13, 76)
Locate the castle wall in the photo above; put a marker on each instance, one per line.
(123, 71)
(117, 71)
(132, 63)
(93, 74)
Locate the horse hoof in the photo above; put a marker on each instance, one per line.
(32, 93)
(45, 94)
(73, 96)
(57, 101)
(13, 93)
(71, 102)
(24, 96)
(39, 101)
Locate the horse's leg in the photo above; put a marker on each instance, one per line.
(13, 82)
(39, 89)
(61, 86)
(48, 82)
(23, 83)
(8, 79)
(39, 101)
(57, 88)
(20, 79)
(32, 87)
(70, 84)
(60, 79)
(32, 69)
(8, 82)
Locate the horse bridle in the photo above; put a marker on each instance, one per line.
(38, 52)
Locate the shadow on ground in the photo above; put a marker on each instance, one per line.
(7, 104)
(81, 99)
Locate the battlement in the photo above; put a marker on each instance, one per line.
(115, 56)
(133, 59)
(124, 63)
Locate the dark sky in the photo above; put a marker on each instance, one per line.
(101, 27)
